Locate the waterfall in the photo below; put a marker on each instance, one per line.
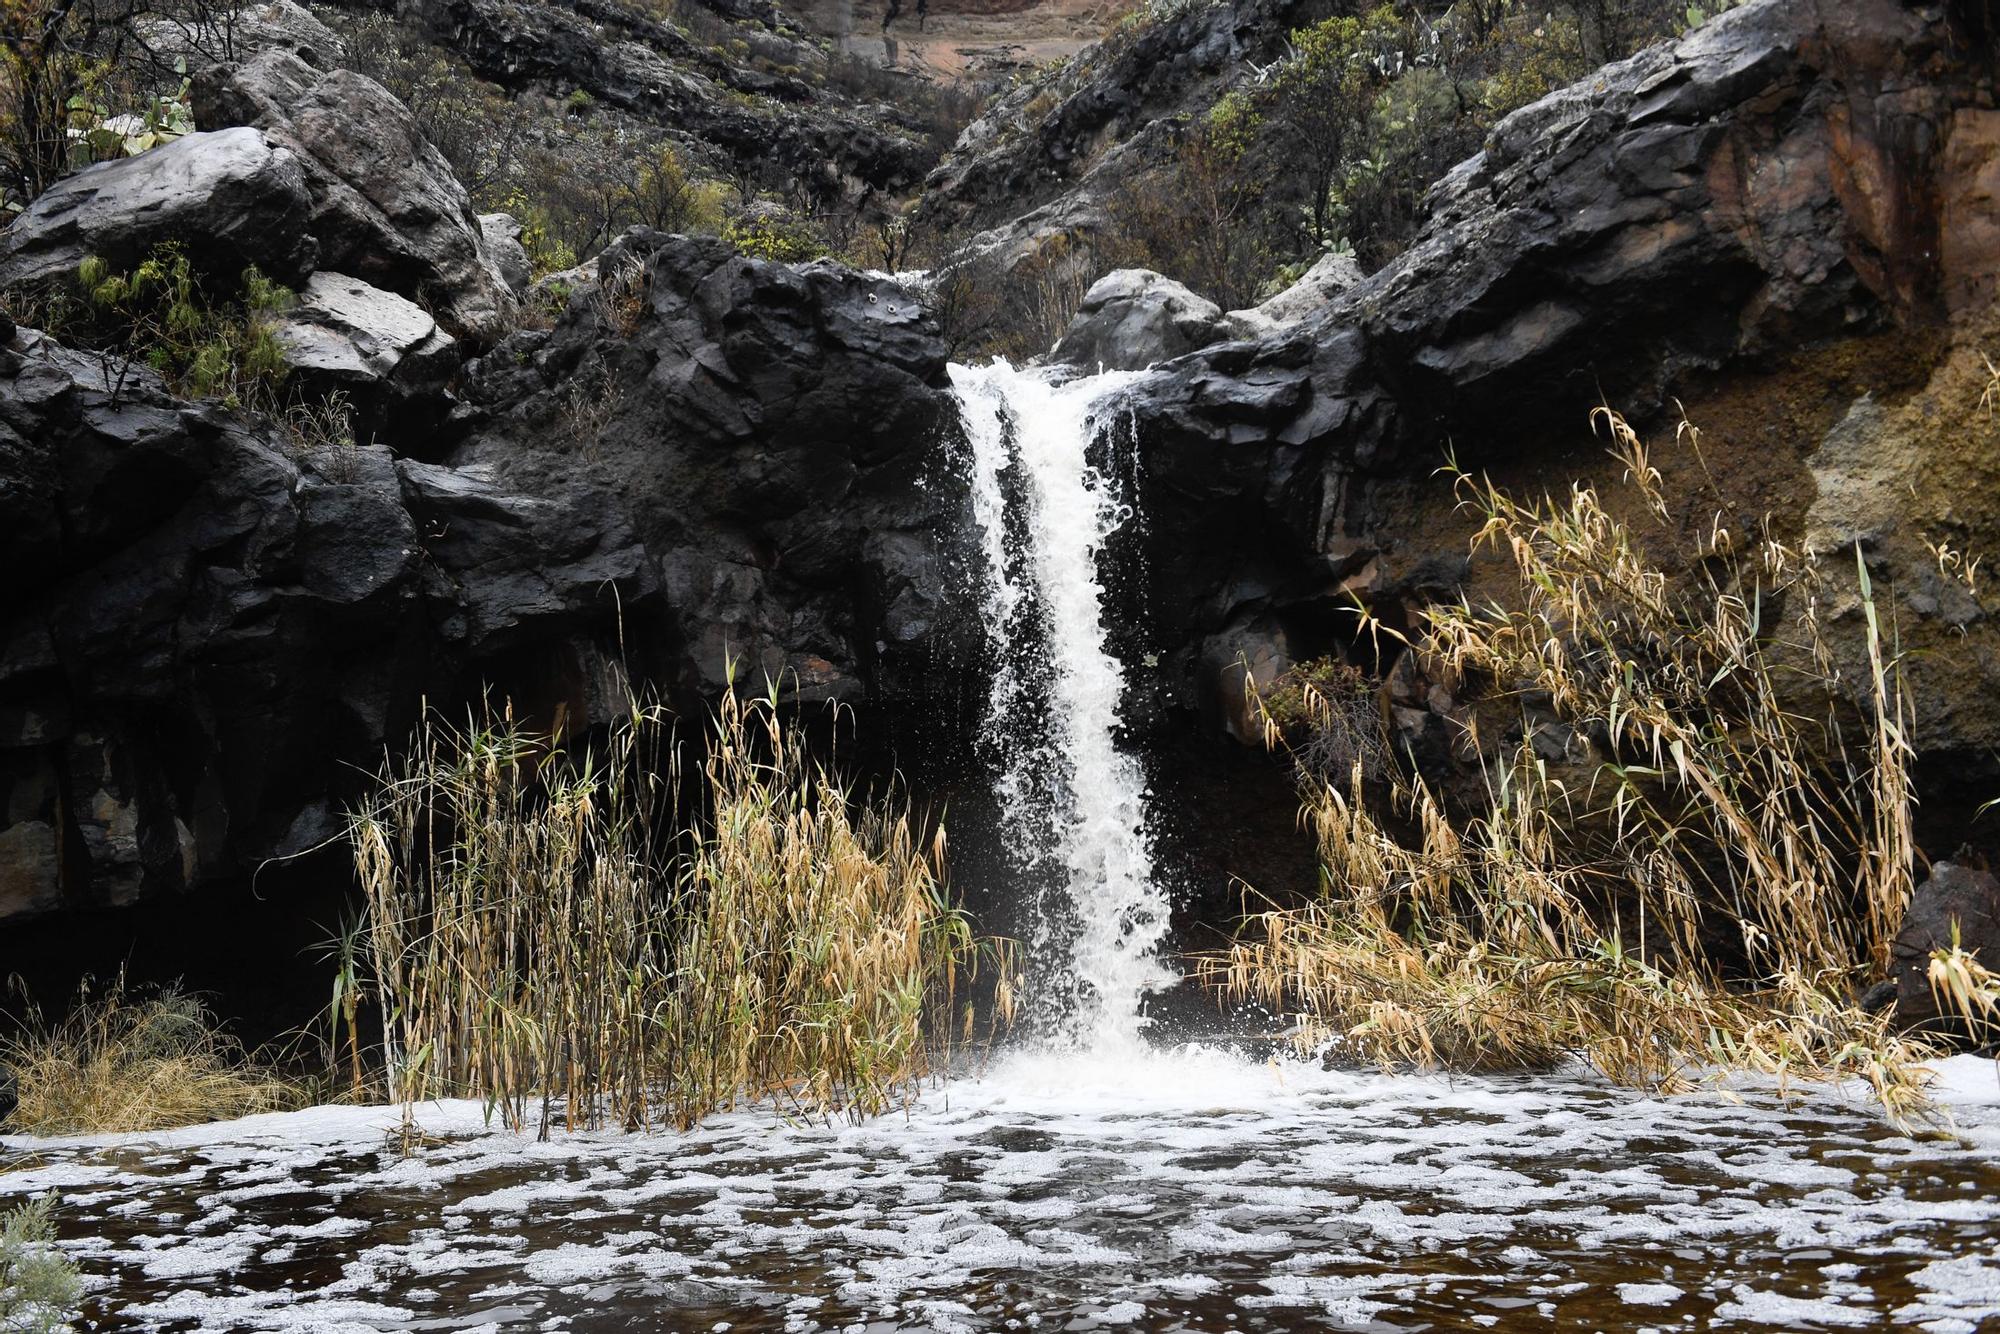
(1073, 798)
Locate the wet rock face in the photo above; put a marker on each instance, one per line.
(778, 436)
(722, 458)
(1767, 182)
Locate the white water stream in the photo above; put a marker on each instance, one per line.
(1073, 797)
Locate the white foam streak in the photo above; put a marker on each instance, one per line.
(1070, 792)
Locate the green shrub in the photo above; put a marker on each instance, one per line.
(39, 1287)
(774, 236)
(201, 345)
(1198, 225)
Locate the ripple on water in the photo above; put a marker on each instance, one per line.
(1184, 1191)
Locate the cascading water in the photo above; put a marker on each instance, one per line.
(1073, 797)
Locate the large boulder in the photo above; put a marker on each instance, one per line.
(1133, 318)
(1958, 905)
(386, 207)
(231, 197)
(1329, 276)
(383, 351)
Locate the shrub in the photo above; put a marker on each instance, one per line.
(775, 236)
(667, 196)
(1197, 226)
(39, 1287)
(68, 68)
(1707, 893)
(1322, 97)
(201, 346)
(117, 1063)
(51, 60)
(1328, 716)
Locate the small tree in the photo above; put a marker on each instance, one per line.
(1323, 94)
(1198, 224)
(52, 52)
(39, 1287)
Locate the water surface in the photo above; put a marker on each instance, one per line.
(1184, 1191)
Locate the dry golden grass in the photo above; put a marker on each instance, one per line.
(116, 1063)
(1703, 895)
(544, 931)
(1966, 990)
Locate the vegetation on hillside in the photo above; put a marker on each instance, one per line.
(1331, 146)
(1334, 145)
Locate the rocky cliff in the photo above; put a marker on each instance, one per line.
(1785, 222)
(706, 460)
(1782, 224)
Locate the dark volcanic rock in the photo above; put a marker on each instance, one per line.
(771, 430)
(232, 197)
(177, 685)
(1132, 318)
(1759, 184)
(1956, 905)
(719, 459)
(623, 58)
(384, 352)
(385, 205)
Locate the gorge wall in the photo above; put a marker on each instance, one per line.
(1786, 222)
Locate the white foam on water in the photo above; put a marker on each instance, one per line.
(1075, 1187)
(1649, 1294)
(1069, 790)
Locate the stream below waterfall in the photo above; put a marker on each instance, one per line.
(1183, 1190)
(1082, 1179)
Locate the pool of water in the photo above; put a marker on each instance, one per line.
(1188, 1190)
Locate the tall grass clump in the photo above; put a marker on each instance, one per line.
(119, 1063)
(1703, 893)
(39, 1287)
(545, 932)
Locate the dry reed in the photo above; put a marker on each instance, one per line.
(1703, 895)
(543, 930)
(1966, 991)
